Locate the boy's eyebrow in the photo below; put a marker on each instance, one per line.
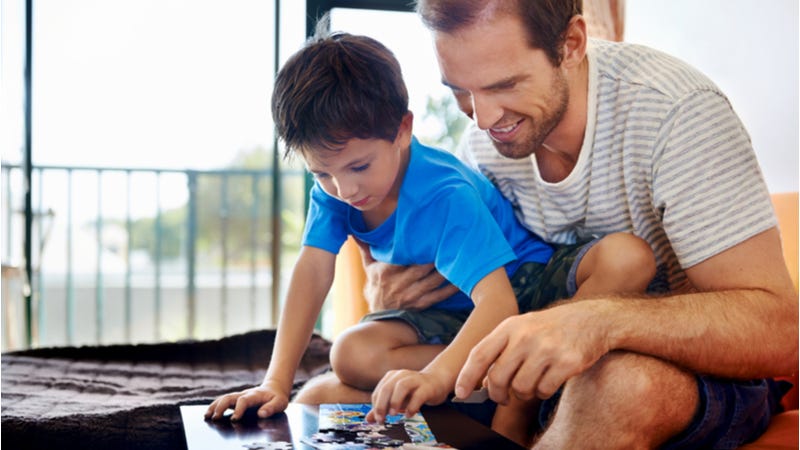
(356, 162)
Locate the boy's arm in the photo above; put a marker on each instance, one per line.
(494, 302)
(408, 390)
(309, 285)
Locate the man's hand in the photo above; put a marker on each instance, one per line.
(391, 286)
(533, 354)
(271, 399)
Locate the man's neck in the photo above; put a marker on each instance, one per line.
(560, 151)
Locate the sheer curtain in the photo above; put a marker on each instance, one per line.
(605, 19)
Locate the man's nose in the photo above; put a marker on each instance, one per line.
(485, 112)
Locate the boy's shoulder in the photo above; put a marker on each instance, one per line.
(438, 166)
(433, 174)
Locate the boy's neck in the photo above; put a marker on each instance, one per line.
(376, 216)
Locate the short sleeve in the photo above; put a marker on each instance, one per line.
(470, 243)
(707, 183)
(326, 222)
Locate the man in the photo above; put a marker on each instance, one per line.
(589, 138)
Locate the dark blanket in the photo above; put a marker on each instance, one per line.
(128, 396)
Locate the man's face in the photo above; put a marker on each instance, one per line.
(509, 89)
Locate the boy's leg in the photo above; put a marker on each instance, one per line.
(327, 388)
(414, 339)
(619, 263)
(365, 352)
(513, 420)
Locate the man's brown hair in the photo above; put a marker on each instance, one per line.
(545, 20)
(338, 87)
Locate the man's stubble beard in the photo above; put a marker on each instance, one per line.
(527, 145)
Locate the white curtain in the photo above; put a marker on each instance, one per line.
(605, 19)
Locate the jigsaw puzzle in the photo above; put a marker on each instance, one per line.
(343, 427)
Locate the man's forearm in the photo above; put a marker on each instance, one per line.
(736, 333)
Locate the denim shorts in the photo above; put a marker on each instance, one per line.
(730, 413)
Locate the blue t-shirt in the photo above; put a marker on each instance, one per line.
(447, 213)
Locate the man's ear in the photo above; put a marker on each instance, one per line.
(404, 132)
(575, 41)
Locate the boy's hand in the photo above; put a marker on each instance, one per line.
(406, 390)
(271, 397)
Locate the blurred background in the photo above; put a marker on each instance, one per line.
(160, 208)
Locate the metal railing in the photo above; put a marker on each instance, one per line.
(149, 254)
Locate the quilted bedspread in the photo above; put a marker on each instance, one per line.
(128, 396)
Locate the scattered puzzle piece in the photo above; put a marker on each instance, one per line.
(277, 445)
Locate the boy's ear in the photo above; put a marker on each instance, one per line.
(404, 132)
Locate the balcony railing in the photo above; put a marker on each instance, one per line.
(147, 254)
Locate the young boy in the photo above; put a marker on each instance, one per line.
(341, 104)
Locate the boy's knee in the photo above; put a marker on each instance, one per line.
(352, 359)
(628, 255)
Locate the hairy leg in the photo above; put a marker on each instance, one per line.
(619, 263)
(625, 401)
(365, 352)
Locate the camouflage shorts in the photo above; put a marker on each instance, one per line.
(535, 285)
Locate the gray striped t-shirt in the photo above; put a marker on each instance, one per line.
(664, 157)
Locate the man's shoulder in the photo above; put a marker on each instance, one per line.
(630, 67)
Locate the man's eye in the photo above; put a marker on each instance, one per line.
(361, 168)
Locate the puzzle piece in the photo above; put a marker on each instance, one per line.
(277, 445)
(477, 396)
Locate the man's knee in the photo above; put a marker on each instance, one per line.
(630, 377)
(638, 394)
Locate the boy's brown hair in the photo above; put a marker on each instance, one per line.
(338, 87)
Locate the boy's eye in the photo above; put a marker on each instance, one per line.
(361, 168)
(319, 175)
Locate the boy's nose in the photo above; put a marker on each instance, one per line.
(347, 189)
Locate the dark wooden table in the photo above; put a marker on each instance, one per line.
(298, 421)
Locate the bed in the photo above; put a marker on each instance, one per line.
(128, 396)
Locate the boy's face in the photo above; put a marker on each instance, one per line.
(363, 173)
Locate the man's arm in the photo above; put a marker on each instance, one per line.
(741, 322)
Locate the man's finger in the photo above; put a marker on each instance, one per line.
(526, 380)
(366, 256)
(479, 360)
(432, 297)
